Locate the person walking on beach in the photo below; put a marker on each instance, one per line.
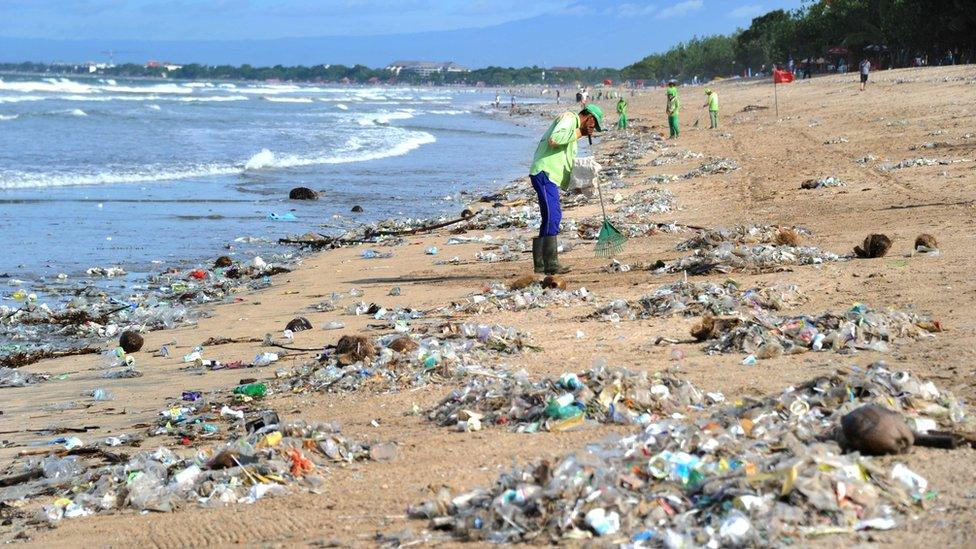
(622, 111)
(674, 108)
(865, 71)
(712, 105)
(557, 97)
(550, 171)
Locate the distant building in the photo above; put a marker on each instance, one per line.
(424, 68)
(170, 67)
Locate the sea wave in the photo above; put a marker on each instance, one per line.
(269, 160)
(212, 98)
(50, 85)
(400, 144)
(384, 118)
(288, 99)
(8, 116)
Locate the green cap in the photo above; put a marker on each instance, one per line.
(597, 113)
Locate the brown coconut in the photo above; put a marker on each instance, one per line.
(926, 240)
(875, 245)
(522, 282)
(403, 344)
(787, 237)
(131, 342)
(875, 430)
(298, 324)
(354, 348)
(554, 282)
(223, 261)
(711, 327)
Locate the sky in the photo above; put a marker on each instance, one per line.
(475, 33)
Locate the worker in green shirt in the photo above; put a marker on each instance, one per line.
(674, 108)
(712, 107)
(622, 111)
(550, 171)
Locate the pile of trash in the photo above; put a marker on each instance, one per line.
(639, 206)
(728, 258)
(87, 314)
(622, 162)
(270, 461)
(500, 297)
(822, 183)
(752, 473)
(701, 299)
(13, 377)
(722, 165)
(744, 234)
(601, 394)
(761, 334)
(913, 163)
(392, 362)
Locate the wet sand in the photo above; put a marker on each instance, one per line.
(901, 109)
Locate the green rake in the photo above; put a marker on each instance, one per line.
(611, 241)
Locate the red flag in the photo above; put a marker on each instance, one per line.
(782, 77)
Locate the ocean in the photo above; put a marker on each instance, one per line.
(147, 175)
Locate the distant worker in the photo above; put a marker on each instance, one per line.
(557, 97)
(498, 100)
(865, 67)
(579, 96)
(511, 109)
(674, 108)
(550, 171)
(712, 105)
(622, 111)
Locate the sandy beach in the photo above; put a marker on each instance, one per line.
(825, 126)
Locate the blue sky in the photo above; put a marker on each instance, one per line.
(372, 32)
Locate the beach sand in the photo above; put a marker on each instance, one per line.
(900, 109)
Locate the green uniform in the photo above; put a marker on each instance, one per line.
(713, 109)
(622, 111)
(557, 160)
(674, 108)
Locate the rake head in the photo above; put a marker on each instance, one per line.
(610, 242)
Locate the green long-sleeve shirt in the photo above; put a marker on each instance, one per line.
(621, 107)
(713, 102)
(556, 158)
(674, 105)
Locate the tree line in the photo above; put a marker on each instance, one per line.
(357, 74)
(893, 33)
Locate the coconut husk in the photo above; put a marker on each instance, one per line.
(223, 261)
(711, 327)
(354, 348)
(554, 282)
(874, 246)
(787, 237)
(875, 430)
(403, 344)
(523, 282)
(926, 240)
(299, 324)
(130, 341)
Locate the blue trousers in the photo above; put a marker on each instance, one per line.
(548, 193)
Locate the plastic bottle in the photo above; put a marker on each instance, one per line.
(252, 390)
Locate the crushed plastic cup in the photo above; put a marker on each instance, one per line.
(749, 360)
(915, 483)
(264, 359)
(601, 522)
(102, 394)
(431, 250)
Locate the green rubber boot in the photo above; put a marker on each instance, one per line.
(550, 253)
(538, 264)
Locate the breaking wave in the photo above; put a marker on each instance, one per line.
(263, 160)
(288, 99)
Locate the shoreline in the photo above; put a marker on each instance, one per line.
(754, 192)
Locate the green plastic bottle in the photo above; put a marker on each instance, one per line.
(252, 390)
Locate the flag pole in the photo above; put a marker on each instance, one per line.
(775, 96)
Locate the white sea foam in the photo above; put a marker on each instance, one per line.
(73, 112)
(8, 116)
(154, 107)
(288, 99)
(384, 118)
(50, 85)
(398, 144)
(21, 98)
(267, 159)
(449, 112)
(340, 106)
(212, 98)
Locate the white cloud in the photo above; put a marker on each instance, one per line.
(634, 10)
(680, 9)
(747, 11)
